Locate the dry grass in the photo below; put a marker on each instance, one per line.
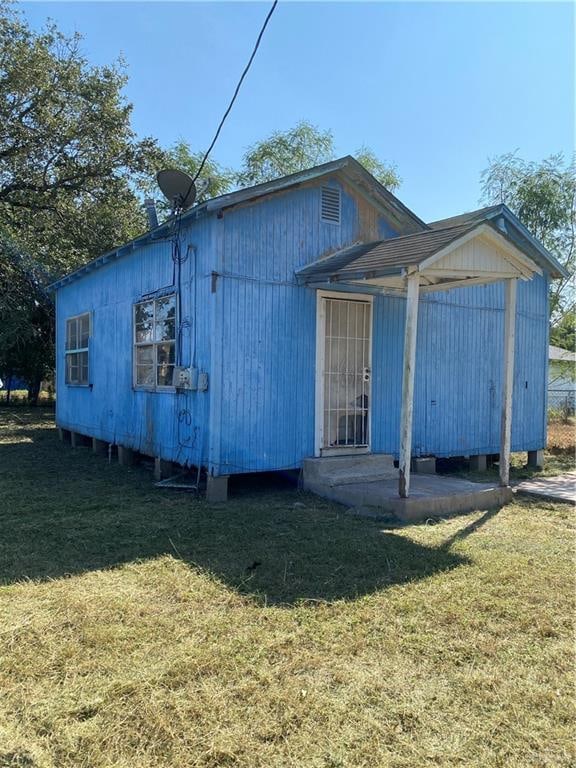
(20, 397)
(561, 435)
(136, 629)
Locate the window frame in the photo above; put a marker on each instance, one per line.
(77, 350)
(154, 344)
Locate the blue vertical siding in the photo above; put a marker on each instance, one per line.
(459, 370)
(168, 424)
(255, 332)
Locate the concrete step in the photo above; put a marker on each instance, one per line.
(430, 496)
(331, 471)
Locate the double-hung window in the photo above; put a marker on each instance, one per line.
(77, 339)
(155, 342)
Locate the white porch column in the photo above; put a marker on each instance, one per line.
(413, 288)
(508, 383)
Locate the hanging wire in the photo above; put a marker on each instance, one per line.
(184, 416)
(244, 73)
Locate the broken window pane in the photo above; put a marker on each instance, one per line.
(165, 330)
(144, 332)
(144, 312)
(166, 308)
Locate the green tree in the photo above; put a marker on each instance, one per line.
(543, 196)
(69, 166)
(301, 147)
(68, 155)
(26, 319)
(563, 332)
(213, 181)
(386, 174)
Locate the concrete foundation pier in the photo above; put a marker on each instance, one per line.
(424, 466)
(99, 447)
(536, 458)
(217, 488)
(479, 463)
(77, 439)
(125, 456)
(64, 435)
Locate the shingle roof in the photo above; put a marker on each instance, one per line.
(382, 257)
(516, 231)
(465, 218)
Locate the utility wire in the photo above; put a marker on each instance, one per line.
(247, 67)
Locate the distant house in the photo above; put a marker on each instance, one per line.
(561, 378)
(311, 316)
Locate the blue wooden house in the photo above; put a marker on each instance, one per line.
(311, 316)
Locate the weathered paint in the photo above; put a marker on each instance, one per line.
(166, 424)
(255, 332)
(408, 375)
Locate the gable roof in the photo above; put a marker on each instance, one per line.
(383, 257)
(465, 218)
(398, 255)
(513, 228)
(350, 168)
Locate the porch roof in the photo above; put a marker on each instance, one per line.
(470, 252)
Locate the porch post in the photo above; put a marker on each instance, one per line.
(508, 383)
(411, 327)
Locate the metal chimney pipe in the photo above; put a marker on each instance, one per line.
(150, 207)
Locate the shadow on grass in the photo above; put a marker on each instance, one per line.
(65, 511)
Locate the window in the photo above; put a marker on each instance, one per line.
(77, 336)
(155, 342)
(330, 205)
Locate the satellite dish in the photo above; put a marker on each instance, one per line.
(178, 188)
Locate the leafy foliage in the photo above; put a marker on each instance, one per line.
(68, 155)
(563, 333)
(304, 146)
(68, 163)
(386, 174)
(214, 180)
(26, 318)
(72, 174)
(286, 152)
(543, 196)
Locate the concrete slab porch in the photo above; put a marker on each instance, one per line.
(374, 493)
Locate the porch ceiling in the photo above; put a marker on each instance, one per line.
(443, 258)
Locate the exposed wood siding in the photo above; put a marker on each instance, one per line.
(112, 410)
(256, 335)
(474, 256)
(458, 387)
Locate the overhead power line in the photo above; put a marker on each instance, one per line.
(246, 68)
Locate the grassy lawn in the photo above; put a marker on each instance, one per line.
(141, 627)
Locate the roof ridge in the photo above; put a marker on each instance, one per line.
(474, 212)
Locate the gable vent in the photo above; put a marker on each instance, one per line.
(330, 208)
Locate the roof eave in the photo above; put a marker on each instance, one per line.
(557, 269)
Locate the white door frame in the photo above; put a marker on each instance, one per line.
(320, 347)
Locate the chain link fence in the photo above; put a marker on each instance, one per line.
(561, 419)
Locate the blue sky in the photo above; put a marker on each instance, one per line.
(436, 88)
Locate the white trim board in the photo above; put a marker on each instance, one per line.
(319, 382)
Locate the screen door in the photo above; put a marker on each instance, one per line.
(345, 365)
